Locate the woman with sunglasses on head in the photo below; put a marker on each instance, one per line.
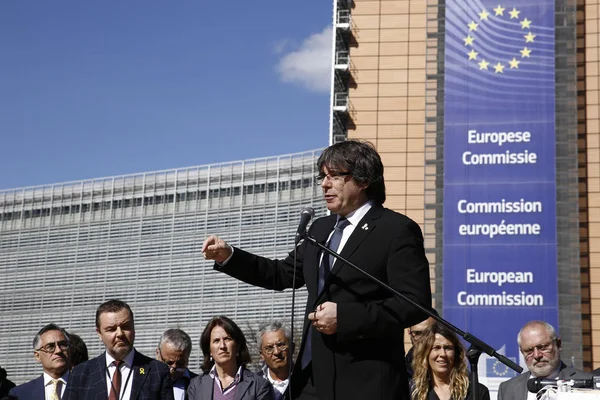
(225, 375)
(440, 368)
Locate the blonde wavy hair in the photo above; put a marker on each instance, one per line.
(422, 376)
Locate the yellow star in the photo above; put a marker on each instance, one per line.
(499, 10)
(525, 52)
(529, 37)
(514, 14)
(472, 26)
(499, 68)
(514, 63)
(484, 15)
(483, 64)
(472, 55)
(469, 40)
(525, 24)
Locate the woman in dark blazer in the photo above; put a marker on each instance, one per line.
(224, 368)
(440, 368)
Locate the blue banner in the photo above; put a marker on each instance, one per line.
(500, 262)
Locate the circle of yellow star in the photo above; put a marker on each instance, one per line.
(529, 37)
(499, 68)
(483, 64)
(525, 24)
(514, 13)
(499, 10)
(525, 52)
(484, 15)
(472, 55)
(472, 26)
(514, 63)
(469, 40)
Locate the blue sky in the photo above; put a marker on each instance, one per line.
(91, 89)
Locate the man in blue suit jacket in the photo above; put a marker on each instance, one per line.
(51, 349)
(142, 378)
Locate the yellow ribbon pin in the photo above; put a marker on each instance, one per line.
(142, 372)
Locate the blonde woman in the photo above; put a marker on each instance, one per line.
(440, 368)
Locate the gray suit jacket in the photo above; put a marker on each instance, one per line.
(516, 388)
(251, 387)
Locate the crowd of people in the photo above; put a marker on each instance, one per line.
(122, 372)
(353, 335)
(436, 368)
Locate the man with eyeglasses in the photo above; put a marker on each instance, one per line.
(416, 333)
(174, 349)
(540, 346)
(276, 351)
(51, 349)
(353, 335)
(121, 372)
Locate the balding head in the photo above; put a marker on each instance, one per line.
(540, 347)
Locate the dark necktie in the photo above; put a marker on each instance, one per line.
(334, 244)
(115, 385)
(324, 271)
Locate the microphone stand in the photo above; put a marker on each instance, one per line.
(477, 346)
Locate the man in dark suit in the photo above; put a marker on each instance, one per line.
(121, 372)
(51, 349)
(416, 333)
(352, 345)
(174, 349)
(540, 347)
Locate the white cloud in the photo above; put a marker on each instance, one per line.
(310, 65)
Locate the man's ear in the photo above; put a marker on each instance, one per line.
(558, 344)
(36, 354)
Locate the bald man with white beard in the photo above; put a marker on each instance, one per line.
(541, 348)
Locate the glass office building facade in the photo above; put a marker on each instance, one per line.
(66, 248)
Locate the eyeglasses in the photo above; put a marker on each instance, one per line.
(271, 348)
(332, 176)
(51, 347)
(416, 334)
(543, 348)
(179, 365)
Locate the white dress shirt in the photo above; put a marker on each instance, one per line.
(49, 388)
(353, 218)
(278, 386)
(126, 374)
(180, 385)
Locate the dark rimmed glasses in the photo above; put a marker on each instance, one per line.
(51, 347)
(332, 176)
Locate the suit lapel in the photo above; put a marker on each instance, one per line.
(39, 389)
(523, 393)
(139, 372)
(207, 387)
(321, 234)
(242, 387)
(364, 228)
(98, 385)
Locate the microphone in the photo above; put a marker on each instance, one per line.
(535, 385)
(306, 215)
